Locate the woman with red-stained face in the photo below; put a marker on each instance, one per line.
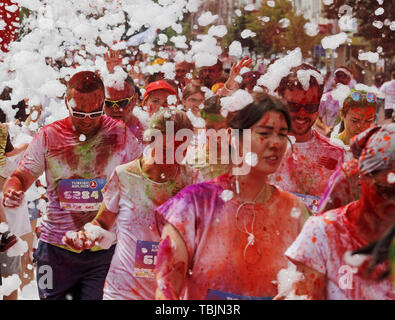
(357, 115)
(231, 232)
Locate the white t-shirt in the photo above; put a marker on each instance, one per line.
(388, 88)
(134, 197)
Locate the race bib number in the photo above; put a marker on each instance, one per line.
(145, 260)
(311, 202)
(81, 194)
(220, 295)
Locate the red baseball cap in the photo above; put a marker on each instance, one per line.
(158, 85)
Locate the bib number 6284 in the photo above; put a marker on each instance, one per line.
(78, 195)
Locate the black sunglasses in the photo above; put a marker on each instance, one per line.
(310, 108)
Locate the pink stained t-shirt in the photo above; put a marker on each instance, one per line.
(306, 170)
(221, 264)
(323, 245)
(58, 151)
(135, 198)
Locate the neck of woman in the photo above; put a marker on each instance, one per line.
(158, 172)
(252, 187)
(345, 137)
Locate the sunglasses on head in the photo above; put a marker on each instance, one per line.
(357, 96)
(310, 107)
(83, 115)
(122, 103)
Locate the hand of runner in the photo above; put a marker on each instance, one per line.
(78, 240)
(102, 237)
(92, 235)
(113, 59)
(12, 198)
(231, 83)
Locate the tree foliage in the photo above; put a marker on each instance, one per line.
(365, 12)
(272, 36)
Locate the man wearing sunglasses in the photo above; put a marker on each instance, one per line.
(119, 104)
(77, 155)
(306, 170)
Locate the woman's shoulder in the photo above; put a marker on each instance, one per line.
(203, 188)
(285, 196)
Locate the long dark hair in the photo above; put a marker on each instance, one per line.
(251, 114)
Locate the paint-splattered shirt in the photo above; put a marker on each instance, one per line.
(306, 170)
(343, 187)
(138, 131)
(135, 198)
(322, 245)
(58, 151)
(222, 264)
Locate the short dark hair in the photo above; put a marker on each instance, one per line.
(211, 106)
(149, 78)
(250, 79)
(251, 114)
(84, 82)
(291, 81)
(20, 106)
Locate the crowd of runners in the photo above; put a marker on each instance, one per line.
(207, 185)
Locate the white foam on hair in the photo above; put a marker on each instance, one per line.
(305, 75)
(237, 101)
(279, 70)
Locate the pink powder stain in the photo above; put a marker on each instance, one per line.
(164, 268)
(165, 253)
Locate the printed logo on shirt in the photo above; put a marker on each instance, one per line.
(311, 202)
(145, 260)
(220, 295)
(81, 194)
(93, 184)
